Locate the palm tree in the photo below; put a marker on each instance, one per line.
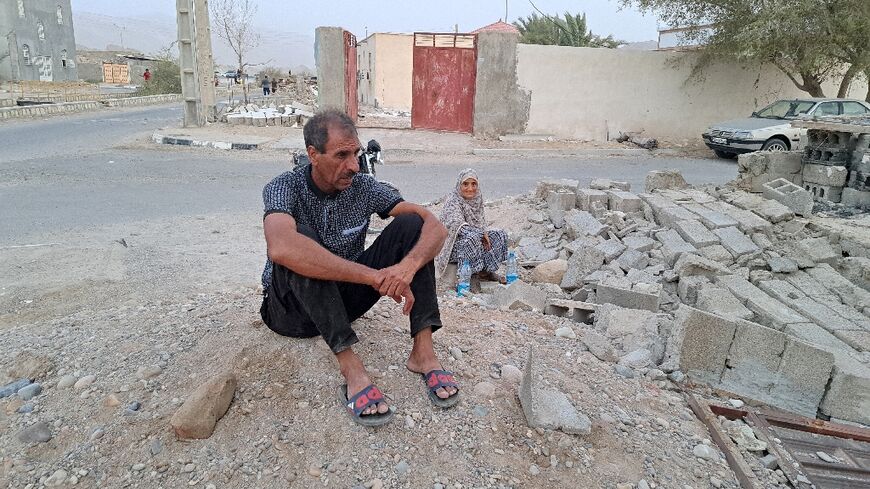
(568, 31)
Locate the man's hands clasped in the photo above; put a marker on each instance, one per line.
(395, 282)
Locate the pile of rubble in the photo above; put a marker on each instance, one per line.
(291, 115)
(720, 285)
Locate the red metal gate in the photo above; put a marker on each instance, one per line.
(350, 76)
(444, 76)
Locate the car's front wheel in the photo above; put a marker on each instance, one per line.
(724, 154)
(775, 144)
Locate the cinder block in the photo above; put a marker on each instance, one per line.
(712, 219)
(848, 395)
(756, 169)
(824, 192)
(736, 242)
(581, 223)
(578, 311)
(769, 311)
(699, 344)
(719, 301)
(753, 360)
(625, 201)
(832, 176)
(586, 196)
(627, 298)
(790, 195)
(855, 198)
(673, 245)
(696, 233)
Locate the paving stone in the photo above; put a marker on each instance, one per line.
(548, 408)
(717, 253)
(625, 201)
(699, 344)
(712, 219)
(673, 245)
(696, 233)
(639, 243)
(612, 249)
(782, 265)
(857, 339)
(848, 394)
(586, 196)
(769, 311)
(839, 285)
(670, 216)
(718, 300)
(581, 223)
(773, 211)
(736, 242)
(818, 336)
(820, 250)
(747, 221)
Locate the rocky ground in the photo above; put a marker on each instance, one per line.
(110, 375)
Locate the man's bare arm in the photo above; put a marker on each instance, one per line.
(301, 254)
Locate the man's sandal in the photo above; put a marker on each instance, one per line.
(436, 379)
(370, 396)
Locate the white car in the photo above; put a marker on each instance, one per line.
(770, 128)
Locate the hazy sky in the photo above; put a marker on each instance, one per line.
(604, 16)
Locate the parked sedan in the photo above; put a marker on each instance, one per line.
(770, 128)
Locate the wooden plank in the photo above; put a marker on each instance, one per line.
(786, 462)
(741, 469)
(816, 426)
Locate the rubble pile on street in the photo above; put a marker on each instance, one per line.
(721, 285)
(291, 115)
(832, 168)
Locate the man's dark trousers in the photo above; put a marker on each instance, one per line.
(302, 307)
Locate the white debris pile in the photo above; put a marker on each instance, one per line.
(290, 115)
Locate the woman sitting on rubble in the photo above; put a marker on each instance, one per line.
(468, 238)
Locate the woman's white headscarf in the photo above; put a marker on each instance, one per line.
(457, 212)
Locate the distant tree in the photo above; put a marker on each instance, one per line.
(811, 41)
(165, 76)
(233, 23)
(569, 30)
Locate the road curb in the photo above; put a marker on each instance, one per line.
(573, 152)
(181, 141)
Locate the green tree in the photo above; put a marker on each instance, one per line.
(811, 41)
(165, 77)
(570, 30)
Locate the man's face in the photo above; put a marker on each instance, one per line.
(335, 168)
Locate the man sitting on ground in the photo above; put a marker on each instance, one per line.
(319, 277)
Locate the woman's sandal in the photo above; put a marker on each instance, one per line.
(370, 396)
(436, 379)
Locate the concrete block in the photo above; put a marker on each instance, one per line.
(625, 297)
(544, 187)
(632, 259)
(824, 192)
(790, 195)
(688, 287)
(558, 203)
(832, 176)
(670, 216)
(578, 311)
(717, 253)
(840, 286)
(548, 408)
(773, 211)
(848, 394)
(808, 285)
(803, 377)
(639, 243)
(737, 243)
(673, 245)
(624, 201)
(855, 198)
(690, 264)
(756, 169)
(747, 221)
(699, 344)
(817, 336)
(754, 360)
(581, 223)
(587, 196)
(664, 179)
(612, 249)
(857, 339)
(819, 249)
(769, 311)
(696, 233)
(581, 264)
(520, 296)
(607, 184)
(782, 265)
(719, 301)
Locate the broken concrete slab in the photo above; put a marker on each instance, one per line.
(548, 408)
(848, 394)
(520, 296)
(690, 264)
(639, 243)
(624, 201)
(558, 203)
(856, 268)
(664, 179)
(817, 336)
(804, 372)
(612, 249)
(736, 242)
(545, 186)
(839, 285)
(820, 250)
(717, 253)
(581, 223)
(673, 245)
(699, 344)
(629, 259)
(688, 287)
(831, 176)
(773, 211)
(580, 264)
(607, 184)
(710, 218)
(696, 233)
(719, 301)
(769, 311)
(782, 265)
(599, 346)
(753, 361)
(790, 195)
(607, 293)
(586, 197)
(758, 168)
(857, 339)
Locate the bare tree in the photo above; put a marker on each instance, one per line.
(233, 23)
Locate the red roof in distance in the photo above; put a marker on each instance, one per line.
(497, 27)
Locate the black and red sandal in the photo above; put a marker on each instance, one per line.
(436, 379)
(370, 396)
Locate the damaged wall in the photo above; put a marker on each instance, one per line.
(329, 56)
(594, 93)
(500, 106)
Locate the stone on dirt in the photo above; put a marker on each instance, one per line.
(37, 433)
(547, 408)
(197, 417)
(550, 272)
(599, 346)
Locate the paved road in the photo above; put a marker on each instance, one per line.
(63, 175)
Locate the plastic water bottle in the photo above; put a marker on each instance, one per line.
(512, 275)
(463, 284)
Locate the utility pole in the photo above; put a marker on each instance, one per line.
(506, 11)
(195, 62)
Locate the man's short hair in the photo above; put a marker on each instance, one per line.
(316, 130)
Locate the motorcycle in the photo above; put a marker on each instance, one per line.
(371, 156)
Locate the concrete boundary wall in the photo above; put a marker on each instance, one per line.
(594, 93)
(330, 60)
(43, 110)
(146, 100)
(500, 106)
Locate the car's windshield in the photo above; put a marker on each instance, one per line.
(785, 109)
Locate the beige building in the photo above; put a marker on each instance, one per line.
(384, 66)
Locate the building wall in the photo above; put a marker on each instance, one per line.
(500, 107)
(57, 45)
(385, 64)
(329, 56)
(365, 52)
(593, 94)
